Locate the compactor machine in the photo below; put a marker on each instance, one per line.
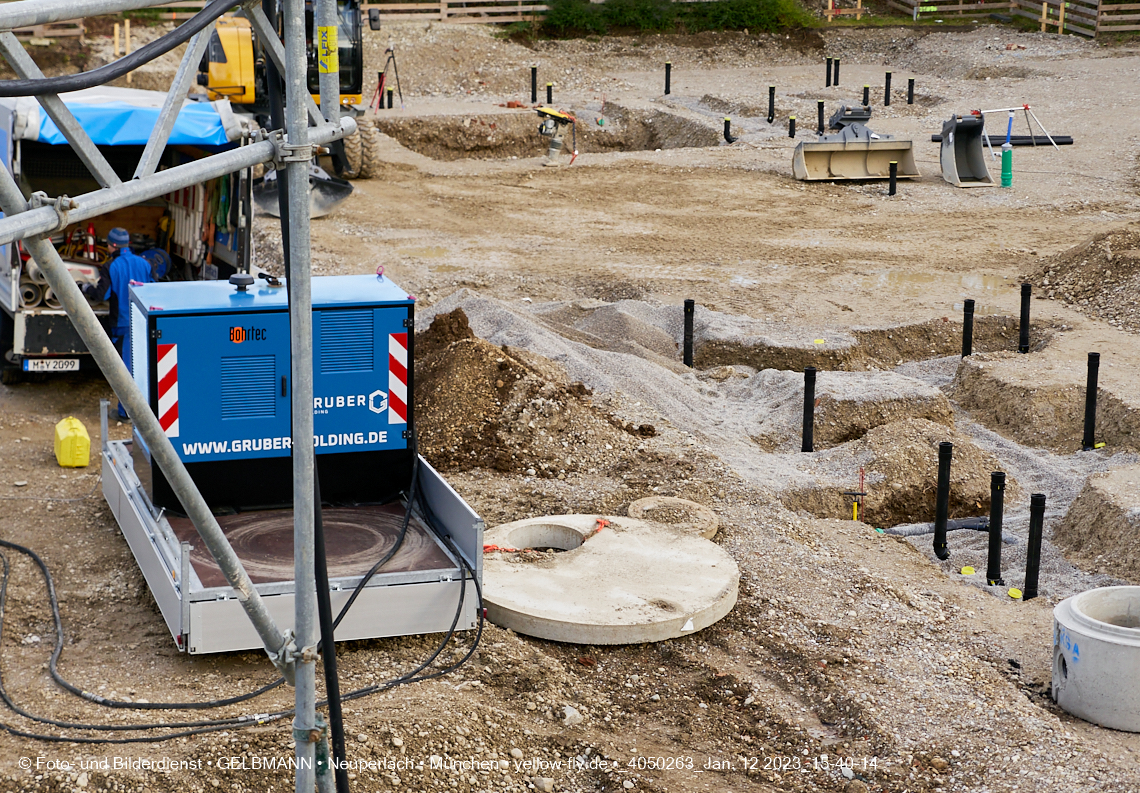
(853, 151)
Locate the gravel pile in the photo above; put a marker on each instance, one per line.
(1100, 278)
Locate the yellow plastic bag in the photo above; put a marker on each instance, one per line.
(72, 443)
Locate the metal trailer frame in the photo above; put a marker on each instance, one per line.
(210, 619)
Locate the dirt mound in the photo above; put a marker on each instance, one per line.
(482, 406)
(902, 476)
(1100, 278)
(1099, 531)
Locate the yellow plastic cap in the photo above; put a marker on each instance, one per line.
(968, 570)
(1014, 593)
(72, 443)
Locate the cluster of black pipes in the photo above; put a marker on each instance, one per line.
(946, 451)
(533, 89)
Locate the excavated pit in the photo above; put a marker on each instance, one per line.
(495, 136)
(863, 348)
(1042, 405)
(1100, 529)
(900, 461)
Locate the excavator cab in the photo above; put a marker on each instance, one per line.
(234, 65)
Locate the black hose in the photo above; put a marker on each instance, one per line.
(328, 642)
(128, 63)
(215, 725)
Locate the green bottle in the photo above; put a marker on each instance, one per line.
(1006, 165)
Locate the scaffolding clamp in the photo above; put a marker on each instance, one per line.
(62, 205)
(285, 658)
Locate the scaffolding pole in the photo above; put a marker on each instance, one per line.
(295, 652)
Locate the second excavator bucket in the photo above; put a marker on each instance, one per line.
(962, 156)
(854, 152)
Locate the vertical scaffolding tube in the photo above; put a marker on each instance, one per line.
(301, 332)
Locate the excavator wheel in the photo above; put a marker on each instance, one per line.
(369, 150)
(354, 154)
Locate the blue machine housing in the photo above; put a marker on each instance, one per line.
(214, 361)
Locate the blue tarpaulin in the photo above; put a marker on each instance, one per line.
(125, 124)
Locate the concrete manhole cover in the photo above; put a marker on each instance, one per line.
(604, 579)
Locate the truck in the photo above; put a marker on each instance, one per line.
(202, 232)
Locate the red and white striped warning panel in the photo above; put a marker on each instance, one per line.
(168, 389)
(397, 378)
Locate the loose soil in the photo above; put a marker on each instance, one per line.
(845, 643)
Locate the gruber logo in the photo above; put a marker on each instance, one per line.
(238, 335)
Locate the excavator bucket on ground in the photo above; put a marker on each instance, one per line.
(963, 157)
(854, 152)
(325, 193)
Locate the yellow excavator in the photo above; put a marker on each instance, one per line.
(234, 68)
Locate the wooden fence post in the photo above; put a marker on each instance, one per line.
(1044, 15)
(1061, 19)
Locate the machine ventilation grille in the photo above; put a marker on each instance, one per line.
(249, 387)
(346, 342)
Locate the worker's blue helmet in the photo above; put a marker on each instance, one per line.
(119, 236)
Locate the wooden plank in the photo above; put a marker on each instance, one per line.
(1113, 8)
(956, 9)
(1110, 18)
(1120, 29)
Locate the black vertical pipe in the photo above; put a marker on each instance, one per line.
(1023, 337)
(997, 508)
(967, 328)
(550, 93)
(828, 83)
(942, 501)
(809, 409)
(534, 85)
(887, 90)
(1090, 402)
(819, 106)
(866, 95)
(835, 76)
(1033, 552)
(668, 76)
(771, 103)
(687, 355)
(328, 642)
(390, 95)
(894, 178)
(910, 91)
(791, 126)
(728, 130)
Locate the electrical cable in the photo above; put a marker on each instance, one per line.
(216, 725)
(105, 74)
(412, 494)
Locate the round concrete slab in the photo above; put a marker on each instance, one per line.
(700, 519)
(629, 582)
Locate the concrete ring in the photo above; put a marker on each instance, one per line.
(703, 522)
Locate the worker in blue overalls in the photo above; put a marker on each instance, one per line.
(114, 285)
